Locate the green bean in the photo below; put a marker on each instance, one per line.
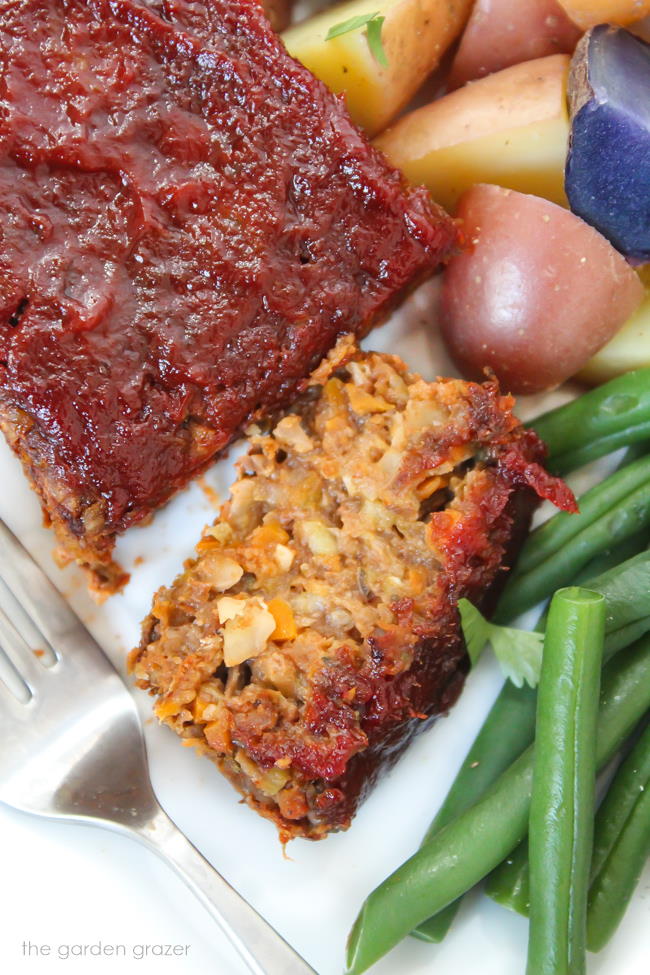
(465, 850)
(613, 415)
(611, 557)
(625, 635)
(564, 783)
(564, 526)
(610, 512)
(510, 726)
(494, 749)
(509, 883)
(626, 589)
(629, 780)
(616, 861)
(621, 844)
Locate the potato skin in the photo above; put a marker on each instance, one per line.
(608, 164)
(536, 293)
(500, 33)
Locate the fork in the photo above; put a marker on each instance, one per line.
(72, 748)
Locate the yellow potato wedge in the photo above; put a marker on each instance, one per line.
(630, 347)
(415, 34)
(510, 128)
(588, 13)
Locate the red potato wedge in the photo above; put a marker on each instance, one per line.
(511, 128)
(535, 295)
(588, 13)
(501, 33)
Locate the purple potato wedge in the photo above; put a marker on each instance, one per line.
(607, 176)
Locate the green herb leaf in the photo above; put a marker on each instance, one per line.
(346, 26)
(476, 629)
(373, 33)
(373, 23)
(518, 652)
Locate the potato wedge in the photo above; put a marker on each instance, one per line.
(588, 13)
(415, 34)
(629, 349)
(607, 171)
(537, 294)
(510, 128)
(500, 33)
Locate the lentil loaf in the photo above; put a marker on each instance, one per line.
(316, 630)
(189, 219)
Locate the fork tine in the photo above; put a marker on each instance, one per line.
(20, 654)
(25, 626)
(14, 692)
(13, 710)
(39, 598)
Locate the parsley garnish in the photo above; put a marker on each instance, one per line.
(373, 24)
(519, 652)
(373, 33)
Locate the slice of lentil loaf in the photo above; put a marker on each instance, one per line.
(316, 630)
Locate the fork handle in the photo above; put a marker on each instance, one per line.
(260, 946)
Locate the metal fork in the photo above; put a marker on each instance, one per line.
(72, 748)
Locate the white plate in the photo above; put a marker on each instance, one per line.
(65, 887)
